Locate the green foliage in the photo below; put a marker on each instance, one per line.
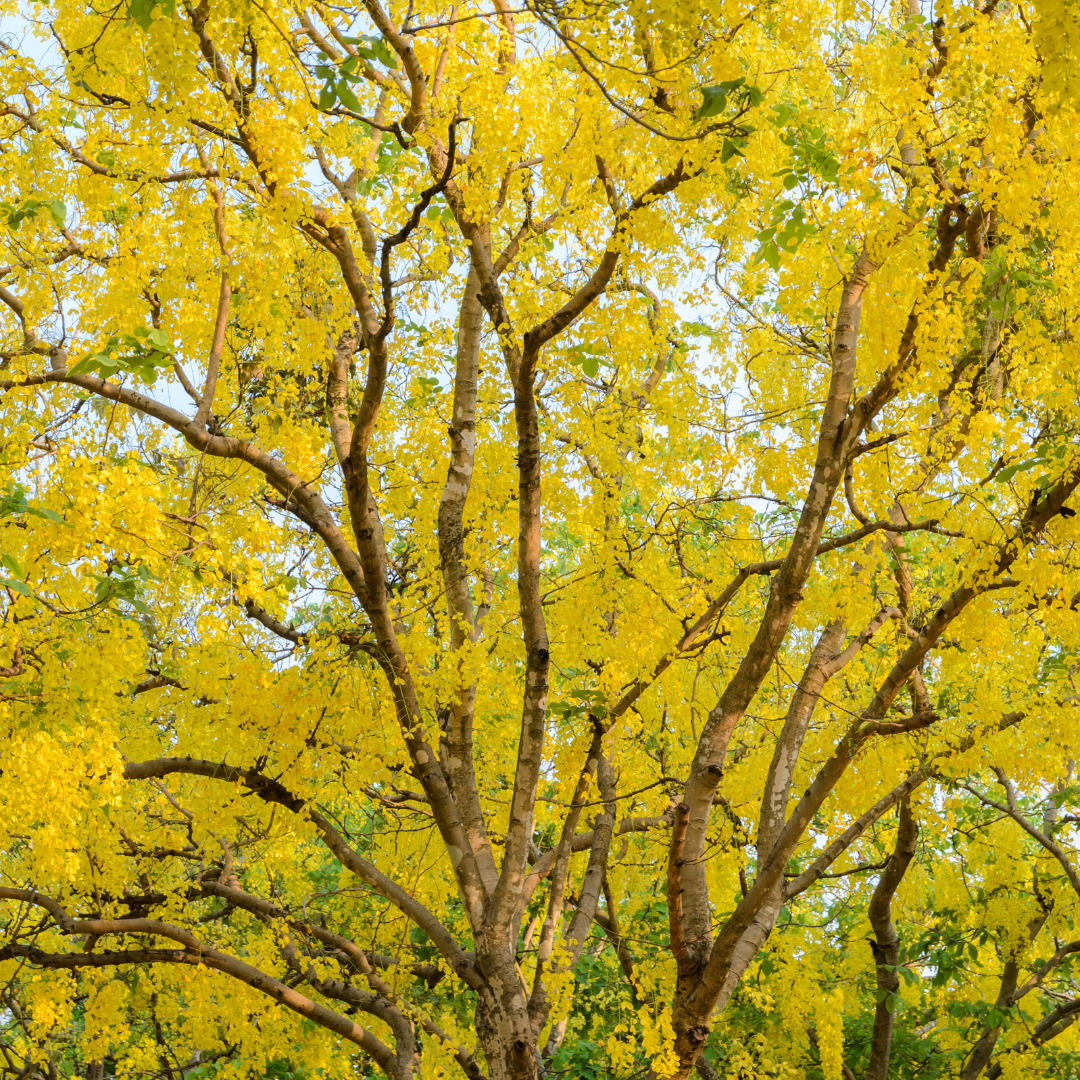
(783, 235)
(14, 502)
(339, 81)
(142, 11)
(714, 99)
(123, 583)
(143, 354)
(587, 356)
(14, 214)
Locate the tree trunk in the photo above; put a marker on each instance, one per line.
(886, 946)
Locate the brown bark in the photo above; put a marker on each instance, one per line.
(562, 852)
(1008, 990)
(784, 595)
(194, 952)
(693, 1008)
(456, 749)
(508, 1020)
(694, 1005)
(886, 943)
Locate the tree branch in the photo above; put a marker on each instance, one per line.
(272, 791)
(886, 943)
(194, 952)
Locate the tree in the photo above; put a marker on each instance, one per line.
(487, 487)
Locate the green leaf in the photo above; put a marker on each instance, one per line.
(769, 253)
(59, 212)
(1026, 278)
(785, 113)
(729, 151)
(141, 11)
(13, 565)
(85, 366)
(1010, 471)
(590, 365)
(160, 340)
(713, 102)
(374, 48)
(347, 97)
(14, 502)
(698, 329)
(384, 53)
(49, 515)
(15, 585)
(327, 97)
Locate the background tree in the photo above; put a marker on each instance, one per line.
(502, 507)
